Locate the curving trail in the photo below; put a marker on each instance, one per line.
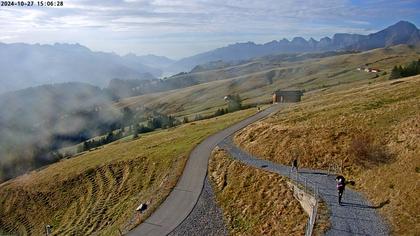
(183, 198)
(354, 217)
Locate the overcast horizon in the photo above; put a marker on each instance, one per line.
(178, 29)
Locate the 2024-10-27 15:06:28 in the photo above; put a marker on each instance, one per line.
(32, 3)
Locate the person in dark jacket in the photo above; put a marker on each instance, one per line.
(294, 165)
(341, 186)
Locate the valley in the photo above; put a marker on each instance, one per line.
(83, 156)
(260, 77)
(100, 190)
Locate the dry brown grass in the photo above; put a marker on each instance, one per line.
(250, 80)
(97, 192)
(398, 182)
(371, 131)
(254, 202)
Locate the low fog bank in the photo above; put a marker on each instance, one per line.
(36, 122)
(25, 65)
(41, 125)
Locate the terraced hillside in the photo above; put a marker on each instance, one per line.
(98, 192)
(370, 132)
(256, 80)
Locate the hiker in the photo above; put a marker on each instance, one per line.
(294, 165)
(341, 185)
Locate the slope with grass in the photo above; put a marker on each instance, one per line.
(98, 191)
(256, 80)
(184, 197)
(371, 132)
(254, 202)
(355, 216)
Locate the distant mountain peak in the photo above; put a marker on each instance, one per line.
(68, 46)
(401, 26)
(404, 23)
(66, 62)
(325, 39)
(403, 32)
(273, 42)
(298, 40)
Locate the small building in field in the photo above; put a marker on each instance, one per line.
(370, 70)
(281, 96)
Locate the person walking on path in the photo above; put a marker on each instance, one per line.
(341, 186)
(294, 165)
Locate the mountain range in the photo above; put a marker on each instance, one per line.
(25, 65)
(402, 32)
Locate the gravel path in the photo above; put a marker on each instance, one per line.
(206, 217)
(354, 217)
(183, 198)
(182, 213)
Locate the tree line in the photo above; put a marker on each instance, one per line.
(411, 69)
(131, 124)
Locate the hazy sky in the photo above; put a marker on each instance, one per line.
(178, 28)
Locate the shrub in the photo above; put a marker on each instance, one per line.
(234, 103)
(367, 151)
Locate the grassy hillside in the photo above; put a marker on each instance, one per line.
(256, 80)
(371, 132)
(98, 191)
(254, 202)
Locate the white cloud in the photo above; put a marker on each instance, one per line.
(143, 22)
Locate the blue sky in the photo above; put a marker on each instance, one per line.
(178, 28)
